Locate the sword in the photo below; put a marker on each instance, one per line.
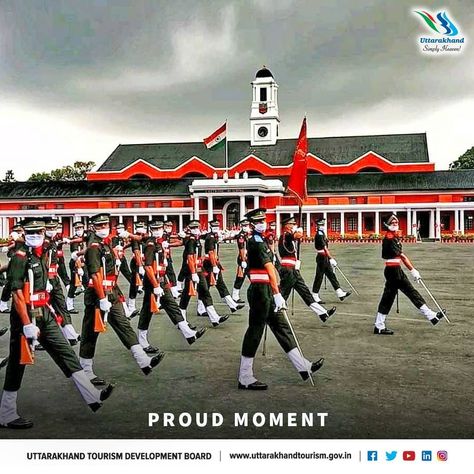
(31, 279)
(106, 313)
(434, 300)
(348, 282)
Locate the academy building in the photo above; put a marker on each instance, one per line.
(354, 182)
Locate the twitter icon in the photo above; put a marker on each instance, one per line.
(390, 456)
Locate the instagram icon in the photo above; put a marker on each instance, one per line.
(442, 455)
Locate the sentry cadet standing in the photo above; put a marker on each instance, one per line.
(265, 305)
(213, 268)
(241, 239)
(194, 278)
(395, 279)
(103, 293)
(31, 318)
(290, 275)
(157, 286)
(325, 264)
(56, 294)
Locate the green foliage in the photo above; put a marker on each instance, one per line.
(464, 162)
(76, 172)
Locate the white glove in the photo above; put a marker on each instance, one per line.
(74, 255)
(31, 331)
(415, 274)
(118, 247)
(124, 234)
(195, 277)
(280, 302)
(66, 241)
(333, 262)
(80, 272)
(158, 291)
(216, 270)
(105, 305)
(243, 265)
(182, 234)
(49, 287)
(118, 262)
(141, 270)
(165, 244)
(299, 230)
(4, 249)
(298, 264)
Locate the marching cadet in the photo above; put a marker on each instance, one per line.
(265, 307)
(78, 243)
(290, 276)
(271, 239)
(32, 320)
(171, 240)
(157, 286)
(103, 293)
(62, 271)
(54, 288)
(213, 268)
(395, 279)
(325, 265)
(16, 238)
(194, 278)
(136, 265)
(241, 239)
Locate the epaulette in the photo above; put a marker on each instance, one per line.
(258, 238)
(94, 245)
(20, 253)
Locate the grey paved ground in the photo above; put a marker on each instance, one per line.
(416, 384)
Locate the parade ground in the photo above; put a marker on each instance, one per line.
(417, 383)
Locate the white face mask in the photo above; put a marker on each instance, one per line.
(34, 240)
(215, 229)
(261, 227)
(168, 230)
(15, 235)
(245, 228)
(80, 233)
(51, 233)
(195, 232)
(103, 233)
(141, 230)
(157, 233)
(393, 227)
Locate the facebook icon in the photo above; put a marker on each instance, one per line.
(426, 456)
(371, 455)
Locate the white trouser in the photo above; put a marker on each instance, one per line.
(246, 376)
(299, 362)
(228, 300)
(380, 321)
(186, 331)
(427, 312)
(143, 338)
(140, 356)
(212, 313)
(317, 308)
(89, 393)
(8, 407)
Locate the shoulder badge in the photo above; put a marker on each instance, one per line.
(257, 238)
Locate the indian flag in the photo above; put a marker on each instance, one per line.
(216, 139)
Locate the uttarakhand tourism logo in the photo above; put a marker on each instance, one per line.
(445, 36)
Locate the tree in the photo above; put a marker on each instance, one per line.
(464, 162)
(9, 177)
(76, 172)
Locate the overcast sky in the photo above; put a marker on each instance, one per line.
(79, 77)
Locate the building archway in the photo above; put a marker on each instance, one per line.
(231, 214)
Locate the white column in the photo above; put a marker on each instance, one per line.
(278, 224)
(210, 208)
(325, 227)
(438, 224)
(343, 226)
(256, 202)
(359, 223)
(409, 229)
(432, 224)
(414, 222)
(180, 225)
(243, 211)
(461, 221)
(196, 207)
(377, 222)
(308, 224)
(456, 220)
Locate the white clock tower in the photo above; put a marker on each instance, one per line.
(264, 117)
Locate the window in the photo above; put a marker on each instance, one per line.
(59, 206)
(352, 200)
(137, 204)
(352, 224)
(369, 223)
(165, 204)
(468, 199)
(335, 225)
(322, 201)
(28, 207)
(469, 222)
(150, 204)
(121, 205)
(263, 94)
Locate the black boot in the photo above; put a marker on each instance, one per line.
(385, 331)
(19, 424)
(439, 315)
(324, 317)
(153, 363)
(253, 386)
(222, 319)
(199, 333)
(315, 366)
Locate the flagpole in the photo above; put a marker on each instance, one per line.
(226, 150)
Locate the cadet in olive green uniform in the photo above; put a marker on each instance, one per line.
(104, 293)
(78, 244)
(241, 239)
(136, 265)
(192, 270)
(55, 289)
(324, 265)
(28, 273)
(171, 240)
(212, 266)
(265, 305)
(290, 276)
(62, 271)
(157, 285)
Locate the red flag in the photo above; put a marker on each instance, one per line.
(297, 181)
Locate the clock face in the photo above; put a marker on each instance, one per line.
(263, 131)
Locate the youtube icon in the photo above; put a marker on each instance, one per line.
(408, 455)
